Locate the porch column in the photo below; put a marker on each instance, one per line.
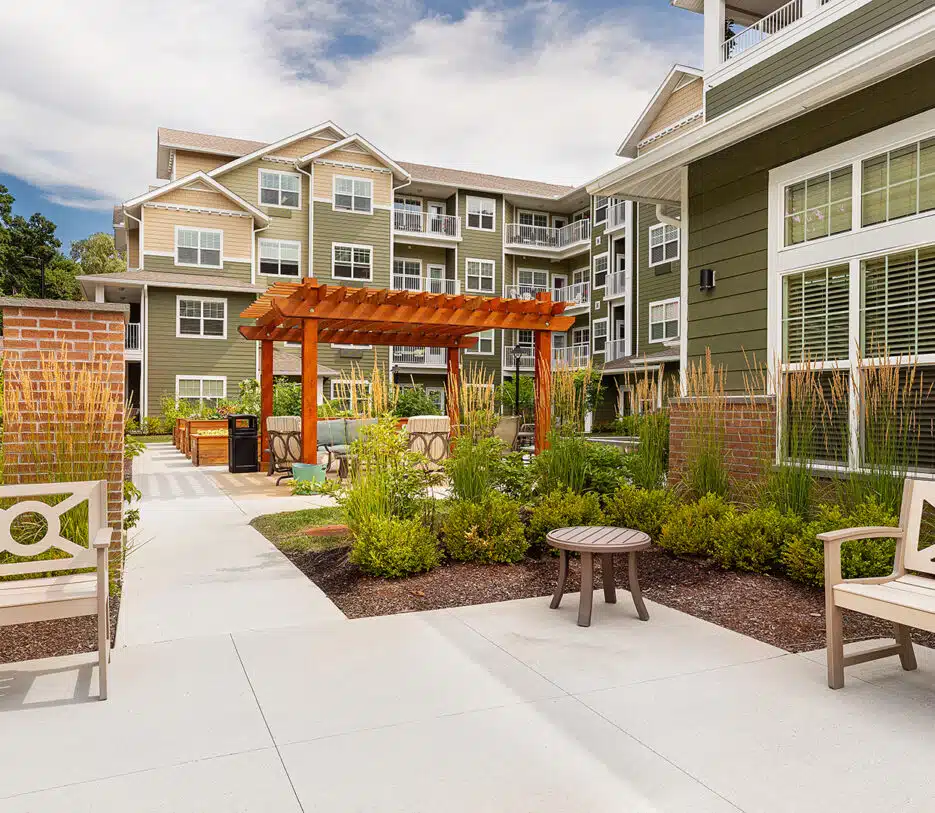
(543, 348)
(309, 390)
(453, 365)
(266, 395)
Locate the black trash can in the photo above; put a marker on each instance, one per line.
(242, 443)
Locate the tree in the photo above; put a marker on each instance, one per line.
(97, 254)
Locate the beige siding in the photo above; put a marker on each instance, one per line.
(198, 197)
(303, 146)
(133, 248)
(159, 230)
(188, 162)
(670, 136)
(324, 182)
(681, 103)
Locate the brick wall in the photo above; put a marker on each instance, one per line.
(89, 338)
(750, 435)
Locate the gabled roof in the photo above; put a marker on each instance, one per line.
(356, 140)
(168, 140)
(208, 181)
(278, 145)
(485, 183)
(168, 279)
(677, 77)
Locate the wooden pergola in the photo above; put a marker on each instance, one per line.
(310, 312)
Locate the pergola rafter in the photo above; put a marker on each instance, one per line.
(310, 312)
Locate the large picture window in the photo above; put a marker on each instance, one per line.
(201, 247)
(815, 315)
(201, 317)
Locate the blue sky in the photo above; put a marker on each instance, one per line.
(541, 89)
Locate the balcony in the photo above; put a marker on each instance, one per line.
(544, 241)
(573, 357)
(577, 295)
(742, 40)
(615, 350)
(617, 216)
(431, 285)
(527, 362)
(426, 228)
(418, 356)
(133, 340)
(523, 291)
(616, 285)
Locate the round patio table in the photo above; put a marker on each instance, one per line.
(604, 541)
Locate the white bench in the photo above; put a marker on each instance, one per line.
(905, 599)
(62, 596)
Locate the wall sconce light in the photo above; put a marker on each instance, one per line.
(707, 280)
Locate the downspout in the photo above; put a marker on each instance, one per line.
(311, 206)
(662, 217)
(139, 248)
(253, 273)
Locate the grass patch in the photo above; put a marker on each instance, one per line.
(287, 530)
(154, 438)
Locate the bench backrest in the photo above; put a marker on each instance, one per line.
(78, 557)
(332, 432)
(915, 494)
(354, 427)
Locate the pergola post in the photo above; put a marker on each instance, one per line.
(266, 395)
(453, 366)
(309, 390)
(543, 350)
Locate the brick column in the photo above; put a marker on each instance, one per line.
(82, 335)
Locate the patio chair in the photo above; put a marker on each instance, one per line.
(285, 445)
(526, 438)
(431, 436)
(507, 430)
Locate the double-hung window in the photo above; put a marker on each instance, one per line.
(480, 275)
(407, 275)
(353, 194)
(280, 258)
(601, 205)
(485, 344)
(351, 262)
(201, 317)
(540, 219)
(201, 247)
(898, 183)
(600, 270)
(532, 281)
(280, 189)
(481, 213)
(599, 335)
(663, 244)
(200, 390)
(664, 320)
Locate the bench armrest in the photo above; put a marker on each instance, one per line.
(850, 534)
(832, 541)
(103, 538)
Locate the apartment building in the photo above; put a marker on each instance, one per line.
(805, 193)
(233, 216)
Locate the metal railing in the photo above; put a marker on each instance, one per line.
(527, 361)
(617, 215)
(521, 234)
(616, 285)
(762, 29)
(575, 356)
(434, 225)
(432, 285)
(419, 356)
(133, 337)
(616, 349)
(575, 295)
(524, 291)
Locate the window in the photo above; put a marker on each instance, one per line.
(200, 247)
(898, 183)
(815, 315)
(407, 275)
(601, 204)
(600, 270)
(579, 276)
(818, 207)
(280, 189)
(351, 262)
(481, 213)
(480, 275)
(485, 344)
(663, 244)
(352, 395)
(280, 258)
(201, 317)
(437, 394)
(534, 219)
(531, 280)
(600, 335)
(200, 391)
(663, 320)
(404, 204)
(353, 194)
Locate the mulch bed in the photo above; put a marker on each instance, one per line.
(774, 610)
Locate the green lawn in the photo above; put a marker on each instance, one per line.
(286, 531)
(155, 438)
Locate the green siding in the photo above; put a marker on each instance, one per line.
(728, 208)
(481, 245)
(238, 271)
(169, 356)
(350, 227)
(653, 283)
(827, 43)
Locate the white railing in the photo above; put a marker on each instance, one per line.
(524, 291)
(616, 285)
(526, 362)
(617, 215)
(616, 349)
(771, 24)
(520, 234)
(419, 356)
(575, 356)
(575, 295)
(133, 339)
(432, 285)
(434, 225)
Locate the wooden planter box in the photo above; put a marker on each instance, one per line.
(192, 426)
(177, 433)
(209, 450)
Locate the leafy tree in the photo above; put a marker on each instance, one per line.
(97, 254)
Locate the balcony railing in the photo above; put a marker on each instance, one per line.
(527, 361)
(573, 357)
(762, 29)
(616, 349)
(616, 285)
(617, 215)
(432, 285)
(524, 291)
(575, 295)
(419, 356)
(521, 234)
(432, 225)
(133, 340)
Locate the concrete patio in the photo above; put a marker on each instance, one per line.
(237, 686)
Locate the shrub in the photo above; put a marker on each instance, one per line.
(605, 468)
(647, 466)
(804, 556)
(512, 476)
(694, 527)
(640, 509)
(754, 540)
(472, 466)
(564, 465)
(485, 531)
(562, 509)
(392, 547)
(414, 401)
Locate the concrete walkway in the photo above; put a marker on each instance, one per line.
(269, 705)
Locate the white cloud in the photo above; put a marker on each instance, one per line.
(537, 91)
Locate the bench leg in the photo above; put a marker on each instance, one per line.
(907, 656)
(103, 644)
(562, 576)
(587, 589)
(835, 640)
(635, 591)
(607, 571)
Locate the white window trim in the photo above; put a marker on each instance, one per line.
(467, 211)
(605, 337)
(594, 207)
(534, 213)
(259, 259)
(678, 243)
(345, 382)
(481, 335)
(202, 378)
(351, 246)
(397, 259)
(606, 256)
(259, 188)
(534, 271)
(202, 299)
(678, 321)
(467, 276)
(334, 191)
(441, 392)
(175, 253)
